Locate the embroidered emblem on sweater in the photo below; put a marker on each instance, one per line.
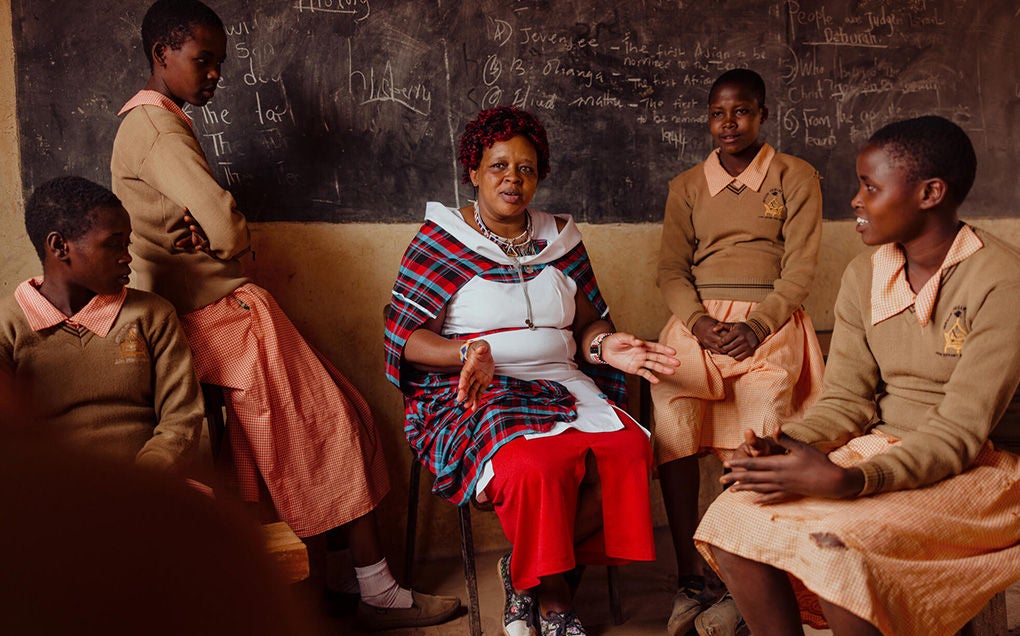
(775, 205)
(954, 332)
(132, 345)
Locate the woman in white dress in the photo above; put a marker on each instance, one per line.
(511, 370)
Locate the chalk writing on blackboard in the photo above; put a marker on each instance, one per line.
(347, 110)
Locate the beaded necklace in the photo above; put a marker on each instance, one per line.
(515, 251)
(513, 247)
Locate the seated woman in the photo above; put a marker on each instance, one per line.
(502, 344)
(909, 525)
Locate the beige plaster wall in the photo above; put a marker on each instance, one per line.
(334, 280)
(17, 259)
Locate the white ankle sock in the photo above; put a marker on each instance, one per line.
(380, 589)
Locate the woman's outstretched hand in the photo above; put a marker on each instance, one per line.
(476, 374)
(782, 468)
(639, 357)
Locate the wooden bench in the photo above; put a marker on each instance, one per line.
(287, 550)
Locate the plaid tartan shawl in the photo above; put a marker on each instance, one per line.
(452, 442)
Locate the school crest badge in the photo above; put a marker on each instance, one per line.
(774, 205)
(132, 345)
(955, 332)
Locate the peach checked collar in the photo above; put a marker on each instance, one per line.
(890, 291)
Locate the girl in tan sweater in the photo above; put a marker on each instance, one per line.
(890, 501)
(739, 249)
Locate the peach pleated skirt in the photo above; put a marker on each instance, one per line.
(712, 398)
(294, 419)
(910, 562)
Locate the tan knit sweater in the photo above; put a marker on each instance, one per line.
(159, 171)
(132, 395)
(739, 246)
(941, 388)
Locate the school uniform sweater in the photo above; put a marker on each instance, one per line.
(160, 172)
(130, 394)
(941, 386)
(300, 427)
(751, 238)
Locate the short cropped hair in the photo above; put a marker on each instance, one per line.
(743, 77)
(501, 124)
(931, 147)
(64, 205)
(171, 21)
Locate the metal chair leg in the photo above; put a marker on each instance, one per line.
(615, 604)
(467, 553)
(411, 531)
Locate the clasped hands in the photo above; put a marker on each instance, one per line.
(734, 339)
(621, 350)
(780, 468)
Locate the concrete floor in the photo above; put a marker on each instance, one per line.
(646, 588)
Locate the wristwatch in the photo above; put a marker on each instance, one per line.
(595, 348)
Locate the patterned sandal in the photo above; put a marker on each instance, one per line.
(519, 609)
(561, 624)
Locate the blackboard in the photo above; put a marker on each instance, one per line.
(349, 110)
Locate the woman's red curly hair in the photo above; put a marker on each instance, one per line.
(500, 124)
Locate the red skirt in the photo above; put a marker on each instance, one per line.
(535, 493)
